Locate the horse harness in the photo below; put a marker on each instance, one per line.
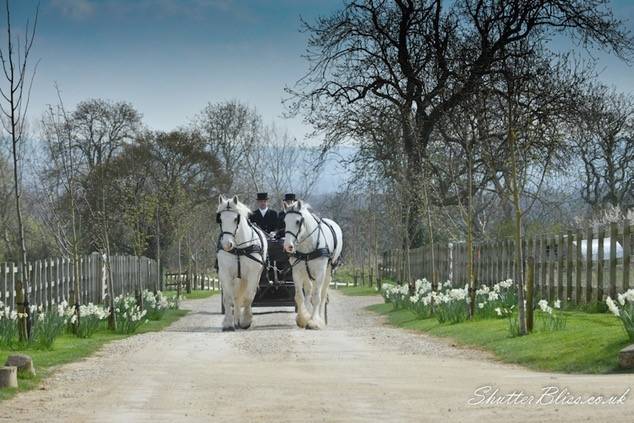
(317, 252)
(248, 251)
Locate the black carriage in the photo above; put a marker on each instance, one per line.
(276, 287)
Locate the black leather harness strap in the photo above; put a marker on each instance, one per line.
(317, 252)
(248, 251)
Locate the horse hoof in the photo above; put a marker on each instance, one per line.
(229, 329)
(245, 327)
(312, 325)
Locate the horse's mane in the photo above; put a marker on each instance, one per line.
(305, 207)
(242, 209)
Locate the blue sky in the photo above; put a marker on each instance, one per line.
(170, 57)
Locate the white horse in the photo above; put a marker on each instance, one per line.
(240, 262)
(315, 245)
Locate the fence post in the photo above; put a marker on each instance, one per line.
(589, 254)
(627, 251)
(569, 251)
(578, 268)
(600, 263)
(530, 274)
(614, 233)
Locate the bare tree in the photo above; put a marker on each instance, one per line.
(14, 107)
(62, 177)
(232, 131)
(604, 138)
(423, 58)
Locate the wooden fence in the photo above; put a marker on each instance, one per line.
(189, 281)
(52, 279)
(583, 265)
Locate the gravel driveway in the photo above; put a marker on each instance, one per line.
(356, 370)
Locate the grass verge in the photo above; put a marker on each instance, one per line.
(590, 343)
(197, 294)
(358, 290)
(68, 348)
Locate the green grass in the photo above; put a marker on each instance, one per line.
(590, 343)
(197, 294)
(68, 348)
(358, 290)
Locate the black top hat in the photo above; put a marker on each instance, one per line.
(289, 197)
(263, 196)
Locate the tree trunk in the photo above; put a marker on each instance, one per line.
(519, 264)
(470, 276)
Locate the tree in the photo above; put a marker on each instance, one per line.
(231, 131)
(14, 107)
(604, 141)
(62, 178)
(182, 176)
(423, 58)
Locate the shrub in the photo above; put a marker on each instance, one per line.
(552, 317)
(156, 305)
(451, 306)
(502, 295)
(129, 315)
(511, 317)
(91, 316)
(8, 326)
(47, 325)
(624, 310)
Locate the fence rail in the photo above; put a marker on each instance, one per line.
(189, 281)
(51, 280)
(580, 265)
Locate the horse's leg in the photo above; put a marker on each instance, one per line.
(299, 278)
(250, 285)
(316, 321)
(228, 300)
(238, 286)
(324, 292)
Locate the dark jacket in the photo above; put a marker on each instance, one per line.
(268, 222)
(281, 226)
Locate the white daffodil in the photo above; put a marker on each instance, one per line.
(612, 306)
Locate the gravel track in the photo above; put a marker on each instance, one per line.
(355, 370)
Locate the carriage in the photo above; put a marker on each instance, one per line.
(276, 287)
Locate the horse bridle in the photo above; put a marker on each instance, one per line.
(219, 221)
(299, 228)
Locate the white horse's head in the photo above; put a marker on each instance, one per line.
(296, 224)
(230, 215)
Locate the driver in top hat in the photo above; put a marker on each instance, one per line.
(289, 199)
(264, 217)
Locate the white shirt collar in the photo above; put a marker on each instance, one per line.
(263, 211)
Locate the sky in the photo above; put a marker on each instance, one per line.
(171, 57)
